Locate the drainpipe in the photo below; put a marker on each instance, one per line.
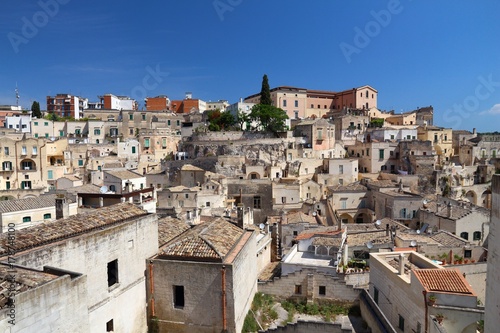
(426, 319)
(151, 288)
(224, 316)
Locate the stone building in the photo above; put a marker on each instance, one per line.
(492, 306)
(401, 286)
(26, 212)
(204, 279)
(374, 157)
(96, 263)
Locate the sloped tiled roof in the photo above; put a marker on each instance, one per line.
(42, 201)
(443, 280)
(447, 239)
(169, 228)
(123, 174)
(25, 279)
(190, 167)
(327, 241)
(300, 217)
(327, 231)
(73, 226)
(211, 241)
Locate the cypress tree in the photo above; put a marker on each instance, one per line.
(265, 93)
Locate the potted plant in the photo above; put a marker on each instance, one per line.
(439, 317)
(431, 300)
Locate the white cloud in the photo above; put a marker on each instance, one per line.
(495, 110)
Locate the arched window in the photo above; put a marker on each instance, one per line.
(465, 235)
(47, 216)
(112, 188)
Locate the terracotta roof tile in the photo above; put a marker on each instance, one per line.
(169, 228)
(72, 226)
(207, 241)
(443, 280)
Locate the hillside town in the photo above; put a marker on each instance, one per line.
(289, 210)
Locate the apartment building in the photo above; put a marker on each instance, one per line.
(66, 105)
(158, 103)
(441, 138)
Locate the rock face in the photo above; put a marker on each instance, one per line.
(258, 149)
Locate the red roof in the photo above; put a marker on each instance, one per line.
(443, 280)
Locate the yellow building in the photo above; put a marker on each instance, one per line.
(441, 139)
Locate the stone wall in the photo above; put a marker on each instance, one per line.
(310, 281)
(38, 310)
(309, 327)
(130, 243)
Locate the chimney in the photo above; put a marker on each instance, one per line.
(402, 264)
(400, 186)
(239, 209)
(449, 209)
(474, 131)
(241, 99)
(62, 207)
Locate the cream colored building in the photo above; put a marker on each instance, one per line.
(441, 139)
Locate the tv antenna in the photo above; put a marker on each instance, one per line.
(17, 96)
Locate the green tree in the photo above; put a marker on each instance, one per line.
(265, 93)
(220, 120)
(241, 119)
(35, 110)
(268, 118)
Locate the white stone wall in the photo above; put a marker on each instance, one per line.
(58, 306)
(492, 319)
(90, 253)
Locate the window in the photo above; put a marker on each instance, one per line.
(146, 142)
(186, 195)
(283, 199)
(296, 114)
(36, 135)
(112, 272)
(109, 326)
(322, 290)
(7, 166)
(45, 124)
(97, 131)
(24, 150)
(256, 203)
(178, 296)
(25, 185)
(61, 133)
(143, 116)
(7, 185)
(295, 232)
(178, 122)
(464, 235)
(47, 216)
(133, 150)
(380, 154)
(401, 324)
(341, 169)
(402, 213)
(36, 123)
(50, 174)
(298, 289)
(207, 204)
(27, 165)
(131, 116)
(341, 182)
(80, 162)
(367, 151)
(375, 295)
(296, 103)
(476, 235)
(343, 203)
(284, 103)
(34, 151)
(27, 219)
(467, 253)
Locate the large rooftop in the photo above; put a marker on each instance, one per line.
(443, 280)
(50, 232)
(209, 241)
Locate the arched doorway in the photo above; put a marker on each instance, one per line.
(471, 196)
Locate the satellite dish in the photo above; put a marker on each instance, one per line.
(378, 222)
(424, 202)
(103, 189)
(314, 213)
(369, 245)
(418, 231)
(262, 226)
(413, 243)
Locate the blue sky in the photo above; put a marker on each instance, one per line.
(415, 53)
